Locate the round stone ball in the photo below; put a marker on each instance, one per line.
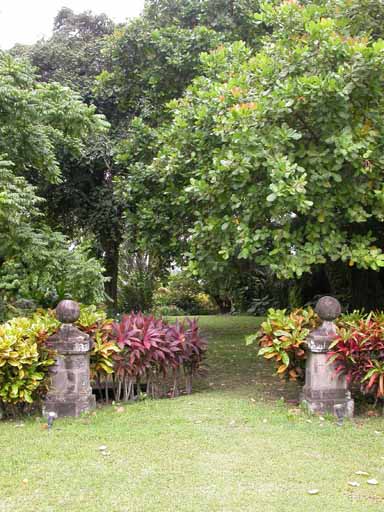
(67, 311)
(328, 308)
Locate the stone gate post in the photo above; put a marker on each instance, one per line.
(70, 393)
(325, 391)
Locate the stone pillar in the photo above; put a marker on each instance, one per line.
(70, 392)
(324, 390)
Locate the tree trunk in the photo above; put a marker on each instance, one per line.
(224, 304)
(356, 288)
(367, 290)
(111, 263)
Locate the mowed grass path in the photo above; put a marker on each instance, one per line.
(233, 445)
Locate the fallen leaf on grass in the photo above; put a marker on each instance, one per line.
(313, 491)
(120, 409)
(362, 473)
(353, 484)
(372, 481)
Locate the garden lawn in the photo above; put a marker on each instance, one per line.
(234, 445)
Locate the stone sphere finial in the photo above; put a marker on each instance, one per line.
(328, 308)
(67, 311)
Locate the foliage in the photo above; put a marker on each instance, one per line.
(94, 322)
(24, 361)
(151, 350)
(358, 352)
(186, 293)
(40, 120)
(151, 60)
(136, 289)
(153, 64)
(83, 203)
(234, 19)
(282, 338)
(137, 350)
(90, 316)
(141, 66)
(170, 310)
(73, 55)
(38, 123)
(275, 156)
(51, 269)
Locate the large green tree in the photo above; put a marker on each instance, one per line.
(153, 59)
(144, 66)
(276, 155)
(38, 123)
(83, 203)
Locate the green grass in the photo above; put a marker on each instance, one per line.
(233, 445)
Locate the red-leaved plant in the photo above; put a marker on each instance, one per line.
(358, 352)
(150, 351)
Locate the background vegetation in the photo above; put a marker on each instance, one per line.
(244, 143)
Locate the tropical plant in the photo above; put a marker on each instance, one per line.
(24, 362)
(137, 351)
(185, 293)
(151, 350)
(283, 339)
(358, 353)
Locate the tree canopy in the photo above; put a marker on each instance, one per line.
(245, 139)
(276, 155)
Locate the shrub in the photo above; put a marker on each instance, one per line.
(136, 291)
(171, 310)
(95, 323)
(282, 338)
(358, 352)
(186, 294)
(24, 362)
(151, 350)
